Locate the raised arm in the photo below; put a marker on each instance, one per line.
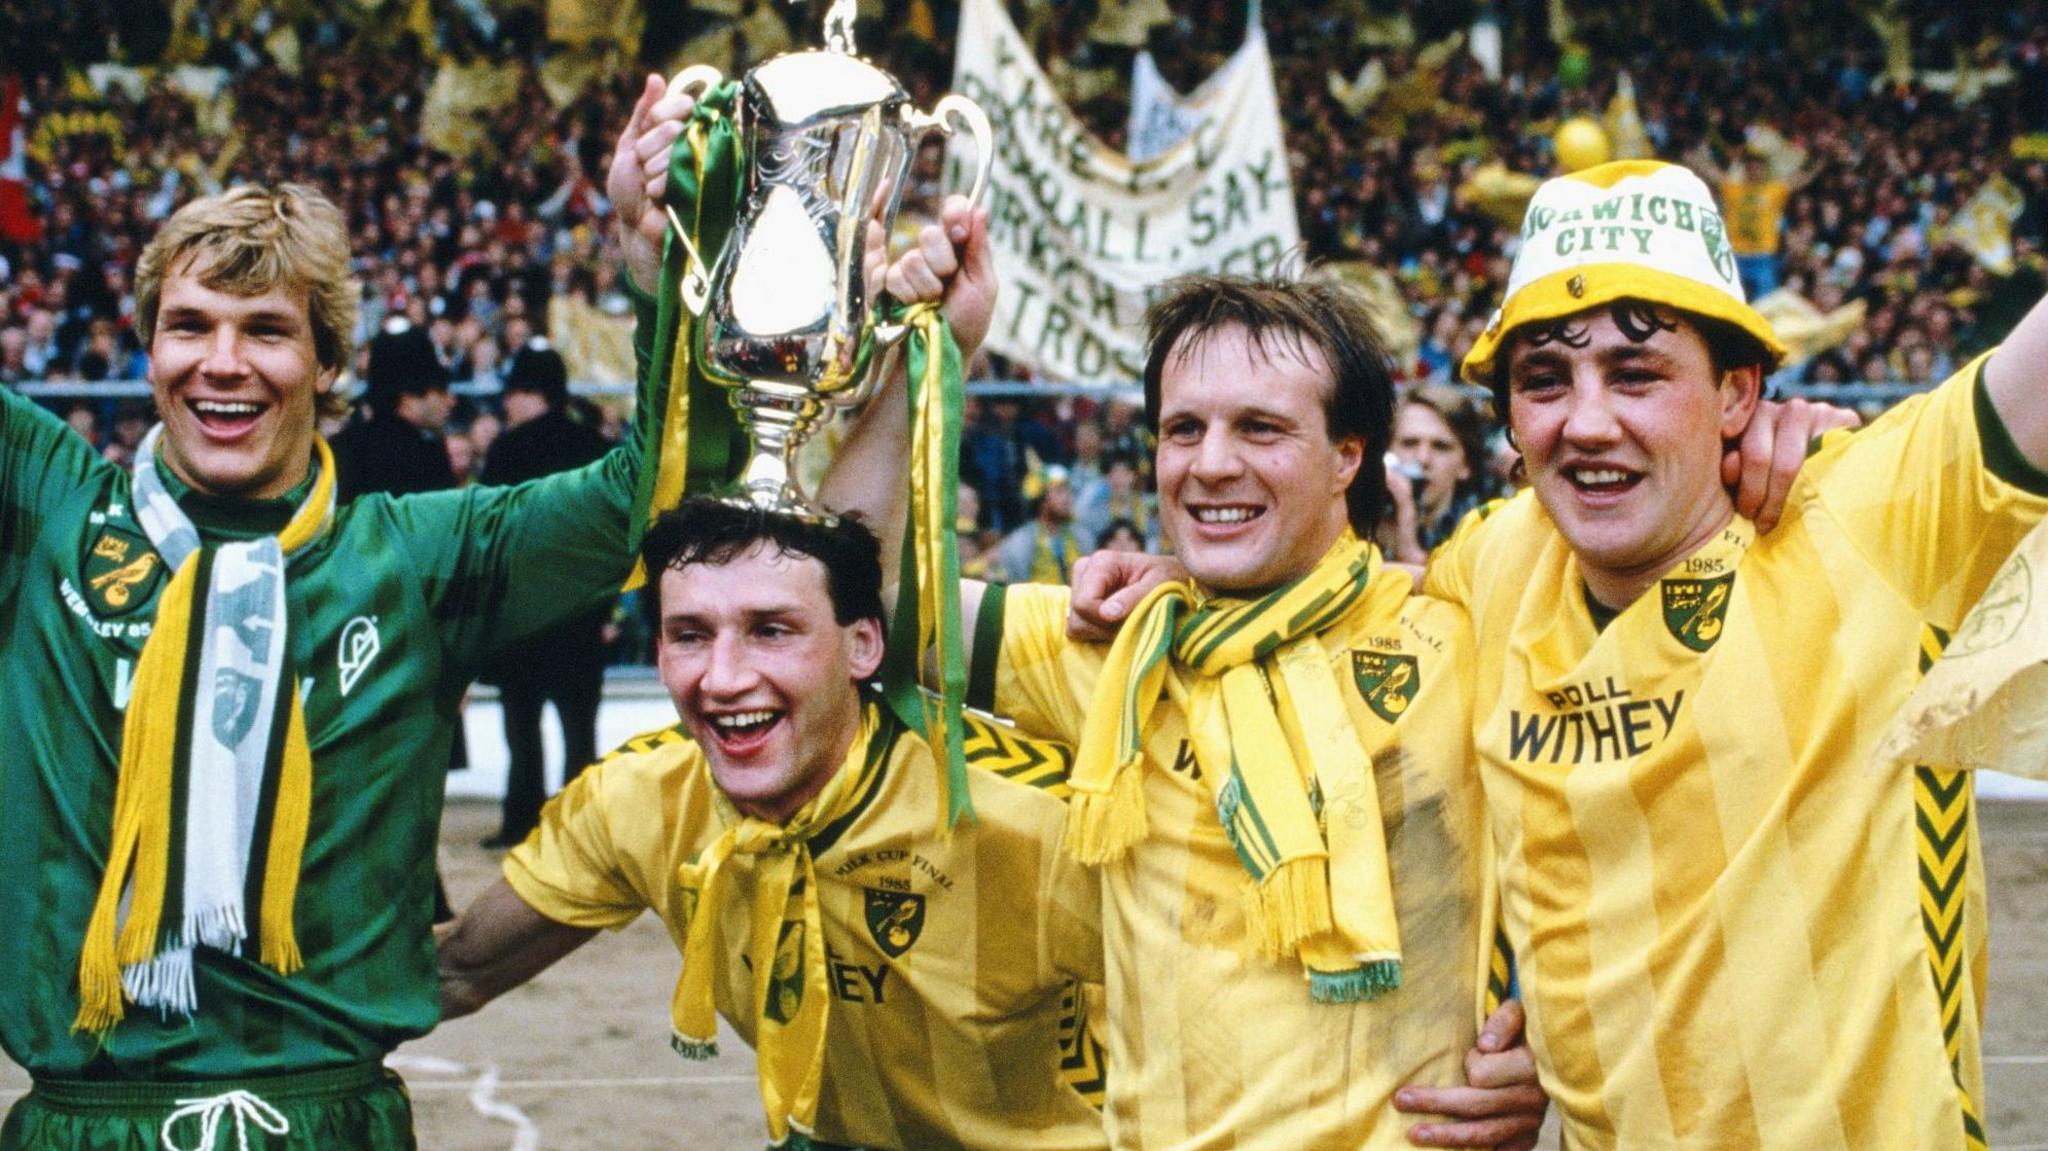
(2013, 381)
(638, 177)
(496, 944)
(950, 263)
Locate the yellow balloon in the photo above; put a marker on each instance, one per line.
(1581, 143)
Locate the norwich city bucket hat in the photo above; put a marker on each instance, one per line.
(1632, 229)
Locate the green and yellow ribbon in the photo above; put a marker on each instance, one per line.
(927, 616)
(706, 177)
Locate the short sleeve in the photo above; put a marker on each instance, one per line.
(571, 868)
(1916, 496)
(1042, 680)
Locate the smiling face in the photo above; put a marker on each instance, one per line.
(1622, 438)
(1251, 487)
(235, 380)
(1425, 439)
(763, 676)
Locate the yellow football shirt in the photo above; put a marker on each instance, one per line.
(1734, 928)
(1211, 1045)
(954, 963)
(1752, 212)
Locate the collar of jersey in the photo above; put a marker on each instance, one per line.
(1564, 647)
(234, 518)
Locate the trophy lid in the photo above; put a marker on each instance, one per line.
(800, 86)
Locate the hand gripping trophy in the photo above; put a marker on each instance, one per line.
(784, 316)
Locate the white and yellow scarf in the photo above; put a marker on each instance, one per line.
(215, 785)
(786, 938)
(1266, 715)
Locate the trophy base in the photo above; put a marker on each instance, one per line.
(780, 503)
(778, 418)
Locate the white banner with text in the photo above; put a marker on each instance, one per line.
(1084, 238)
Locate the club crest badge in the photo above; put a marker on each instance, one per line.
(235, 699)
(122, 572)
(1695, 609)
(1387, 681)
(895, 919)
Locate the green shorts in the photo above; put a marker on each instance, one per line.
(352, 1107)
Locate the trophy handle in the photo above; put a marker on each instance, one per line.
(970, 114)
(701, 77)
(695, 289)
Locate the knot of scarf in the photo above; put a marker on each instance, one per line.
(215, 785)
(1267, 719)
(785, 937)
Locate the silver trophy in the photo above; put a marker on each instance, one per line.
(785, 317)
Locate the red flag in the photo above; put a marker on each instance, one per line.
(17, 222)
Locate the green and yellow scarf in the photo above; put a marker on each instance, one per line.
(213, 716)
(1267, 718)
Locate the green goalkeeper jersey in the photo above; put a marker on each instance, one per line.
(392, 612)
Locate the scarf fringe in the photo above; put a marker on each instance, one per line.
(99, 977)
(217, 927)
(1290, 905)
(281, 954)
(1102, 826)
(165, 982)
(695, 1050)
(1361, 984)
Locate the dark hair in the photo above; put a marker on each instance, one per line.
(403, 364)
(540, 369)
(1325, 315)
(1121, 524)
(1728, 346)
(706, 530)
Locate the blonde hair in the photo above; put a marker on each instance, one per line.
(250, 240)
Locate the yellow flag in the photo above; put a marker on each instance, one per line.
(1984, 703)
(1895, 29)
(1806, 330)
(1983, 225)
(1499, 193)
(1128, 23)
(452, 119)
(608, 21)
(1399, 329)
(1562, 26)
(1626, 137)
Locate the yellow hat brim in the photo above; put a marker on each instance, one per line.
(1553, 298)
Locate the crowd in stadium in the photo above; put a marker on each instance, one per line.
(1857, 178)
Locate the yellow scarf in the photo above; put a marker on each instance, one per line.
(147, 807)
(1265, 717)
(790, 994)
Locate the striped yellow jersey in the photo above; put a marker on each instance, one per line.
(1213, 1046)
(1735, 928)
(954, 963)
